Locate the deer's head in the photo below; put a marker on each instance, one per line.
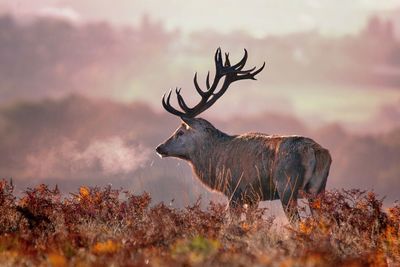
(193, 132)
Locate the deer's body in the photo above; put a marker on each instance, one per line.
(255, 167)
(247, 168)
(251, 167)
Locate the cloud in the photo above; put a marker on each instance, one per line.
(110, 156)
(114, 155)
(307, 21)
(314, 4)
(385, 119)
(75, 141)
(65, 13)
(52, 58)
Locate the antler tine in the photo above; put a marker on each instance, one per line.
(216, 54)
(168, 97)
(219, 71)
(218, 61)
(167, 105)
(246, 71)
(242, 62)
(196, 85)
(164, 102)
(259, 70)
(181, 102)
(249, 74)
(208, 80)
(237, 68)
(227, 62)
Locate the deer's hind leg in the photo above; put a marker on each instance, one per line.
(288, 180)
(289, 203)
(317, 182)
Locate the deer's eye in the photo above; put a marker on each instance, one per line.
(179, 133)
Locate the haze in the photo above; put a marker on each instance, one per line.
(259, 17)
(81, 84)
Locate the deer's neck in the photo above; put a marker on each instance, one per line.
(206, 160)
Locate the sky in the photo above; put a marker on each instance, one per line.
(81, 87)
(234, 25)
(258, 17)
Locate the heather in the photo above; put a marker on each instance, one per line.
(102, 226)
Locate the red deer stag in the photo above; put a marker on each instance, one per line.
(250, 167)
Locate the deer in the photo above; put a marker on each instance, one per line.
(250, 167)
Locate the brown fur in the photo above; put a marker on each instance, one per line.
(251, 167)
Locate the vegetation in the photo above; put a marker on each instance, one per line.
(108, 227)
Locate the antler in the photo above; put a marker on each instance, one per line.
(209, 96)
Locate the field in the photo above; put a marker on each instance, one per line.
(108, 227)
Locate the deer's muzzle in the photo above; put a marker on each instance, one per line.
(161, 151)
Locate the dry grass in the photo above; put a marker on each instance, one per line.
(107, 227)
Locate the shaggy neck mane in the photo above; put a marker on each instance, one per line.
(206, 158)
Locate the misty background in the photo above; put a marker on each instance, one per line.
(80, 92)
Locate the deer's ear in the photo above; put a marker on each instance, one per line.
(188, 121)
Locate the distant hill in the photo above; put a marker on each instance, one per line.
(76, 140)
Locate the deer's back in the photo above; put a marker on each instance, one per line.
(252, 158)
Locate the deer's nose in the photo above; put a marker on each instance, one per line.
(160, 150)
